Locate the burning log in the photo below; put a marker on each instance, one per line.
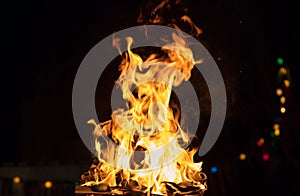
(104, 189)
(132, 187)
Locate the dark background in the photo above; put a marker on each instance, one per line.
(45, 42)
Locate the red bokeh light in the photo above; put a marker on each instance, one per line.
(260, 142)
(266, 157)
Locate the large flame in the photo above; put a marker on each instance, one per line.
(150, 140)
(151, 145)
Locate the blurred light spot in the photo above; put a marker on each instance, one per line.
(17, 180)
(280, 61)
(265, 157)
(260, 142)
(213, 169)
(282, 110)
(277, 132)
(276, 126)
(286, 83)
(279, 92)
(243, 156)
(282, 99)
(283, 70)
(48, 184)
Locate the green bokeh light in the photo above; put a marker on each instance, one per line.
(280, 61)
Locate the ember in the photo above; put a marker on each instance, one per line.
(153, 153)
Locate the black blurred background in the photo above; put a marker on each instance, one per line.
(45, 42)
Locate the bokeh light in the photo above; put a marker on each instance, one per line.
(282, 99)
(286, 83)
(280, 61)
(17, 180)
(277, 132)
(279, 92)
(283, 70)
(272, 134)
(276, 126)
(48, 184)
(265, 157)
(213, 169)
(243, 156)
(282, 110)
(260, 142)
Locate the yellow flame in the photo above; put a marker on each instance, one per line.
(149, 130)
(151, 145)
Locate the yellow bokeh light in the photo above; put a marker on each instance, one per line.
(276, 126)
(286, 83)
(17, 180)
(277, 132)
(282, 110)
(282, 70)
(279, 92)
(48, 184)
(282, 99)
(243, 156)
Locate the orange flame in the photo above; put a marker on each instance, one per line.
(149, 129)
(151, 143)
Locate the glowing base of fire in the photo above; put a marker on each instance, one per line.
(132, 185)
(95, 190)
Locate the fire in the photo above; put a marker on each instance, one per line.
(151, 142)
(151, 151)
